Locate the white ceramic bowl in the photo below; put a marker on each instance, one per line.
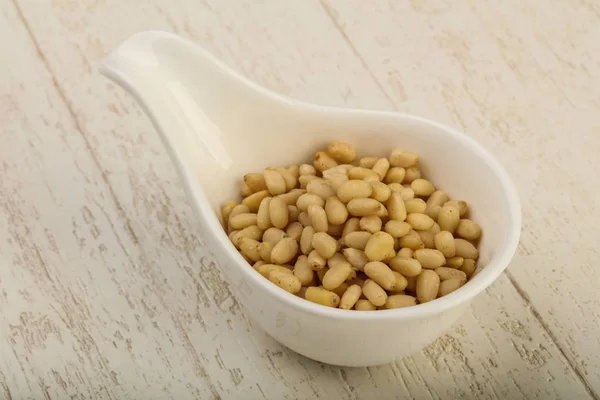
(218, 126)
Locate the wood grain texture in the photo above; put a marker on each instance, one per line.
(106, 289)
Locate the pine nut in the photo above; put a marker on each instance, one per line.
(454, 262)
(287, 282)
(406, 266)
(273, 235)
(266, 269)
(306, 179)
(468, 229)
(430, 258)
(449, 286)
(274, 181)
(446, 273)
(325, 245)
(242, 221)
(469, 267)
(303, 218)
(465, 249)
(336, 211)
(308, 199)
(322, 296)
(363, 207)
(379, 245)
(342, 152)
(448, 218)
(381, 191)
(401, 282)
(400, 301)
(364, 305)
(294, 230)
(412, 173)
(405, 252)
(265, 249)
(336, 276)
(323, 161)
(336, 259)
(278, 213)
(256, 182)
(358, 259)
(357, 240)
(375, 293)
(381, 167)
(412, 240)
(396, 208)
(318, 218)
(354, 189)
(307, 169)
(363, 174)
(306, 239)
(419, 222)
(370, 224)
(262, 218)
(367, 162)
(422, 187)
(321, 188)
(462, 206)
(395, 175)
(428, 284)
(226, 210)
(382, 274)
(444, 242)
(397, 228)
(315, 261)
(292, 196)
(284, 251)
(250, 248)
(350, 297)
(404, 159)
(435, 203)
(407, 194)
(352, 225)
(303, 272)
(428, 239)
(293, 213)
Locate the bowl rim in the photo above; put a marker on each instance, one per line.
(484, 278)
(110, 68)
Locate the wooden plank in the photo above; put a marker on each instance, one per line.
(142, 312)
(518, 78)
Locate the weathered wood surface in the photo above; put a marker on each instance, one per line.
(106, 290)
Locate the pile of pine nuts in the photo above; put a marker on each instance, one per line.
(375, 235)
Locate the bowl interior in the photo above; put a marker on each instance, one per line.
(448, 158)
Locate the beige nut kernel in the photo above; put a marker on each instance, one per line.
(382, 274)
(435, 228)
(325, 245)
(404, 159)
(336, 276)
(394, 175)
(448, 218)
(367, 162)
(336, 180)
(381, 191)
(357, 240)
(278, 213)
(428, 284)
(294, 230)
(422, 187)
(435, 203)
(266, 269)
(241, 221)
(318, 218)
(406, 266)
(254, 200)
(288, 177)
(371, 224)
(428, 239)
(342, 152)
(274, 181)
(401, 282)
(284, 251)
(363, 207)
(430, 258)
(446, 273)
(405, 252)
(363, 174)
(306, 179)
(350, 297)
(412, 173)
(262, 217)
(469, 267)
(396, 187)
(308, 199)
(252, 232)
(462, 206)
(265, 249)
(321, 188)
(465, 249)
(256, 182)
(444, 242)
(381, 167)
(307, 169)
(357, 258)
(449, 286)
(364, 305)
(411, 285)
(340, 290)
(468, 229)
(287, 282)
(379, 245)
(226, 210)
(303, 218)
(336, 211)
(273, 235)
(306, 239)
(321, 273)
(258, 264)
(407, 194)
(419, 222)
(323, 161)
(374, 293)
(354, 189)
(454, 262)
(316, 262)
(415, 206)
(303, 272)
(396, 208)
(397, 228)
(400, 301)
(352, 225)
(250, 248)
(412, 240)
(322, 296)
(291, 197)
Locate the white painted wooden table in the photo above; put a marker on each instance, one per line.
(105, 290)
